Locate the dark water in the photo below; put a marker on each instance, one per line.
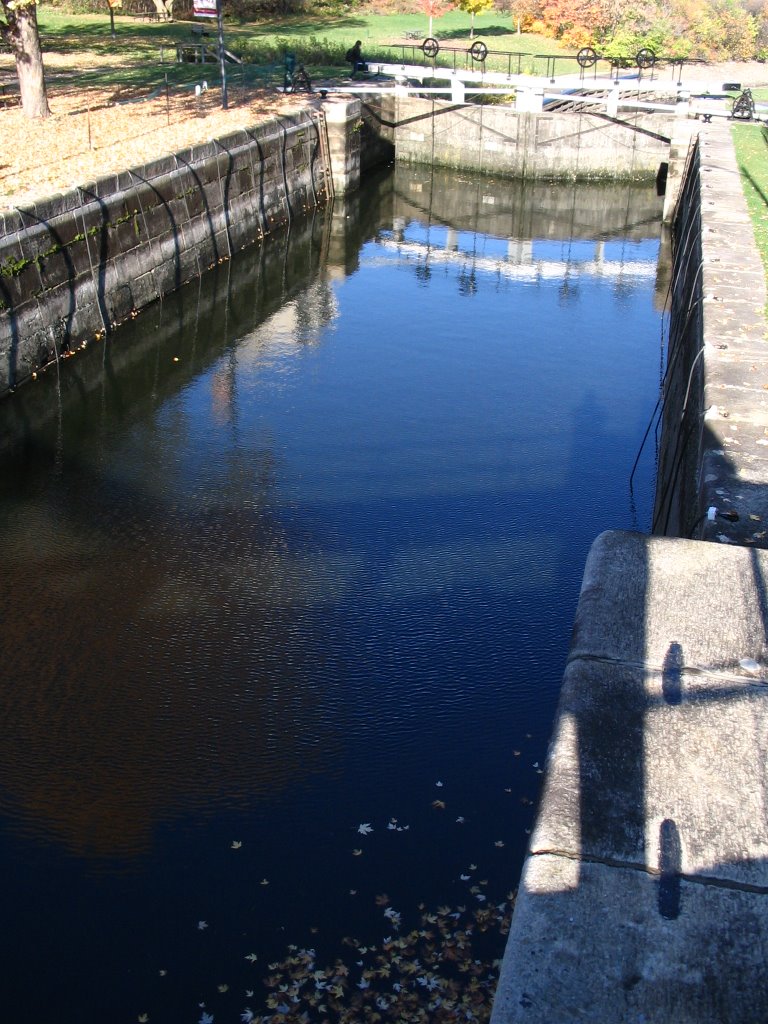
(297, 551)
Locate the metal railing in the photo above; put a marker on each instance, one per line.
(546, 65)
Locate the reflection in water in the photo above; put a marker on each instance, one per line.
(150, 604)
(151, 642)
(296, 554)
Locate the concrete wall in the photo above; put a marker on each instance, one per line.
(74, 265)
(677, 477)
(715, 421)
(495, 139)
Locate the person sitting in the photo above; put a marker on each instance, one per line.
(355, 57)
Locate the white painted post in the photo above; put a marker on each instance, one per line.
(342, 118)
(683, 105)
(612, 101)
(458, 92)
(529, 100)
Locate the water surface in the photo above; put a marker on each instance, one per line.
(298, 551)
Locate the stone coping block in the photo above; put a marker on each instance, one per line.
(635, 748)
(644, 896)
(607, 945)
(640, 594)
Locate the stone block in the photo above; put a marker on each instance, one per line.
(722, 623)
(635, 748)
(658, 949)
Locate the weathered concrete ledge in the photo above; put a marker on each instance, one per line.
(644, 897)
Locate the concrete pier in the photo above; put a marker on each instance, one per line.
(644, 897)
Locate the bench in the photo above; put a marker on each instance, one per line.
(196, 53)
(413, 35)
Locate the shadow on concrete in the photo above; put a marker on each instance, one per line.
(644, 892)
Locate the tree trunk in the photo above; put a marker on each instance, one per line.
(24, 40)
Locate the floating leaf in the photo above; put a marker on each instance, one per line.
(750, 665)
(202, 925)
(365, 829)
(428, 974)
(236, 844)
(439, 804)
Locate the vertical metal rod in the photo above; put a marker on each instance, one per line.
(222, 61)
(167, 101)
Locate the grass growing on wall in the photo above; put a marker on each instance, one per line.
(751, 146)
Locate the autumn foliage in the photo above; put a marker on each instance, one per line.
(710, 29)
(435, 9)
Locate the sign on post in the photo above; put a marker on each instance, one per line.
(212, 9)
(204, 8)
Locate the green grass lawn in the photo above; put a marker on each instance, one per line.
(318, 43)
(751, 145)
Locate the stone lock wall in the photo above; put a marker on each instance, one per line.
(683, 388)
(495, 139)
(74, 265)
(712, 464)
